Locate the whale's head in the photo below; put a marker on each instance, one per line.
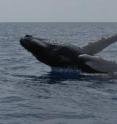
(37, 46)
(53, 55)
(33, 44)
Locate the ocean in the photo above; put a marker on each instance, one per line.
(30, 93)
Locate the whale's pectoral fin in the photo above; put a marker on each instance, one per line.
(99, 64)
(96, 47)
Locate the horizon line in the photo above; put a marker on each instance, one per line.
(58, 21)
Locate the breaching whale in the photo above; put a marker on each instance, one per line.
(71, 57)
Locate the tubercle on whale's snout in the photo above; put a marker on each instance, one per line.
(26, 40)
(32, 44)
(26, 37)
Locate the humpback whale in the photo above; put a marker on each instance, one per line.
(72, 57)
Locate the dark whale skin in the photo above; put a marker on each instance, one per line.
(56, 55)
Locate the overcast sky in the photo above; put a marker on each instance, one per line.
(58, 10)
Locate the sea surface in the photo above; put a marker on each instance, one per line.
(30, 93)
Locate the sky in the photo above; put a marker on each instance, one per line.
(58, 10)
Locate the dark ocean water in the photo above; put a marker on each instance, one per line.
(31, 94)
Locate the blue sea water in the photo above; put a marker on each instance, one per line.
(31, 94)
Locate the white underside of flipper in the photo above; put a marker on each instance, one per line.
(99, 64)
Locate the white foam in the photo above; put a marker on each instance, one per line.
(66, 70)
